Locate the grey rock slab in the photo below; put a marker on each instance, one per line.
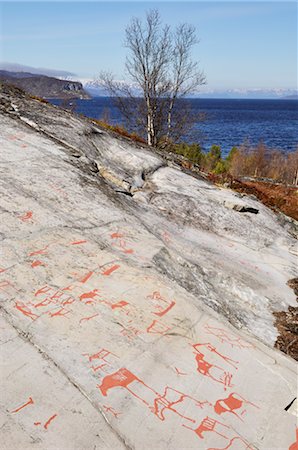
(140, 321)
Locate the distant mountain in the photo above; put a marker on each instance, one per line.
(278, 93)
(44, 86)
(14, 67)
(95, 89)
(291, 97)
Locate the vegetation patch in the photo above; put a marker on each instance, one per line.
(287, 324)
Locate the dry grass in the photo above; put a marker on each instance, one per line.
(121, 131)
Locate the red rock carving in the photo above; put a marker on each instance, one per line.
(25, 310)
(161, 304)
(179, 372)
(78, 242)
(88, 318)
(233, 402)
(42, 251)
(49, 421)
(175, 397)
(29, 402)
(294, 446)
(27, 216)
(226, 337)
(89, 296)
(5, 284)
(119, 304)
(112, 269)
(101, 355)
(225, 432)
(85, 278)
(213, 349)
(62, 312)
(37, 263)
(112, 411)
(157, 403)
(157, 327)
(121, 243)
(213, 371)
(116, 235)
(43, 290)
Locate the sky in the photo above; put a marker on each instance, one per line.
(243, 45)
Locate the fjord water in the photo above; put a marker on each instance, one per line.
(225, 122)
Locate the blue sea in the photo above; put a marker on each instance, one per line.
(226, 122)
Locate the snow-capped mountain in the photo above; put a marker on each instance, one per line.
(94, 87)
(14, 67)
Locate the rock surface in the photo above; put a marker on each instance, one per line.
(137, 305)
(45, 86)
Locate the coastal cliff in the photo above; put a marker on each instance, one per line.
(44, 86)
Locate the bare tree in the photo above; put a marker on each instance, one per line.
(160, 66)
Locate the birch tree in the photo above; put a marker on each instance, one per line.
(161, 73)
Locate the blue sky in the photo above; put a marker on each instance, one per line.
(243, 44)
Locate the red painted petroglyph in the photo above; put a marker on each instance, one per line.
(68, 288)
(116, 235)
(27, 216)
(175, 398)
(37, 423)
(112, 411)
(171, 400)
(5, 284)
(161, 304)
(157, 327)
(119, 304)
(37, 263)
(121, 243)
(88, 318)
(68, 301)
(216, 373)
(25, 310)
(233, 402)
(212, 371)
(294, 446)
(78, 242)
(89, 296)
(49, 421)
(53, 297)
(121, 378)
(112, 269)
(42, 251)
(213, 349)
(29, 402)
(103, 355)
(210, 425)
(62, 312)
(226, 337)
(179, 372)
(2, 270)
(45, 302)
(43, 290)
(130, 332)
(86, 277)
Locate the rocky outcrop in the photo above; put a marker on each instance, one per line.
(137, 302)
(44, 86)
